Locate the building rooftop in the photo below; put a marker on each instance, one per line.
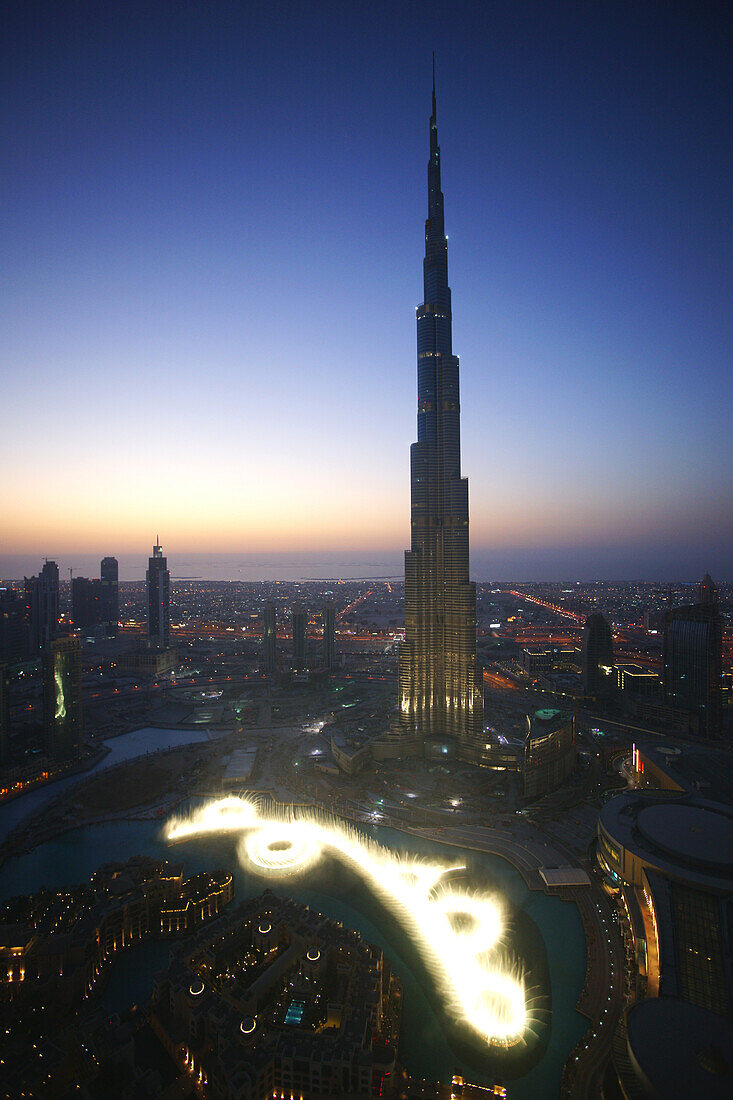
(680, 1049)
(240, 764)
(694, 767)
(564, 876)
(697, 834)
(685, 836)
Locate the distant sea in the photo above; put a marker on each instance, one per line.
(516, 565)
(220, 567)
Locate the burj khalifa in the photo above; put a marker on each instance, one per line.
(441, 694)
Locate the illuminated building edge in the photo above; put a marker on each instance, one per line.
(440, 685)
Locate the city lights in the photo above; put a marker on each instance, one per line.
(457, 931)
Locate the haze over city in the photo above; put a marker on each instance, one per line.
(211, 228)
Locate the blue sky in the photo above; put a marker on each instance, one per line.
(213, 224)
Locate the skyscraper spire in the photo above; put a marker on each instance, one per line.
(441, 692)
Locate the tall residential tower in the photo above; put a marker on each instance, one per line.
(109, 573)
(42, 599)
(441, 693)
(159, 598)
(597, 659)
(692, 661)
(62, 697)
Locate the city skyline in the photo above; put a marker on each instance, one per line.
(187, 231)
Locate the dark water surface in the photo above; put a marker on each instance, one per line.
(546, 932)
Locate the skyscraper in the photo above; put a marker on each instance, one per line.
(692, 660)
(86, 603)
(441, 691)
(4, 714)
(329, 636)
(159, 598)
(269, 638)
(42, 600)
(13, 627)
(597, 656)
(300, 622)
(62, 706)
(707, 591)
(108, 572)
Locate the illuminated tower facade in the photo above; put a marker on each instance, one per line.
(62, 704)
(159, 598)
(441, 694)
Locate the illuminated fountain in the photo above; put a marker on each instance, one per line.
(457, 931)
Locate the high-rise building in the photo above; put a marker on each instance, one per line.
(549, 751)
(42, 600)
(441, 690)
(597, 656)
(692, 661)
(636, 680)
(269, 639)
(300, 623)
(86, 603)
(62, 705)
(4, 714)
(108, 572)
(159, 598)
(13, 627)
(329, 636)
(707, 591)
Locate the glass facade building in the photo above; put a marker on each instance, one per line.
(4, 714)
(42, 599)
(109, 574)
(62, 703)
(597, 658)
(86, 603)
(441, 693)
(693, 664)
(159, 598)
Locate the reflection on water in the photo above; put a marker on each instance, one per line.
(426, 1041)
